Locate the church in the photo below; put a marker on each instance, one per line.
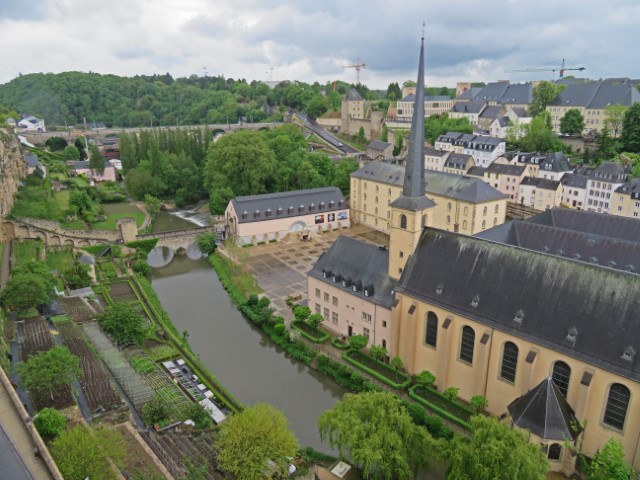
(541, 316)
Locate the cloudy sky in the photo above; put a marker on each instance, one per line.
(310, 40)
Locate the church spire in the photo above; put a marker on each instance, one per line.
(414, 183)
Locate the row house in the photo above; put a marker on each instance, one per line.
(489, 115)
(626, 200)
(458, 163)
(602, 185)
(484, 149)
(574, 190)
(514, 117)
(540, 193)
(469, 110)
(433, 105)
(554, 166)
(506, 178)
(435, 159)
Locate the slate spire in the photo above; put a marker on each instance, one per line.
(414, 183)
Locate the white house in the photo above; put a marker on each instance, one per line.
(32, 124)
(600, 187)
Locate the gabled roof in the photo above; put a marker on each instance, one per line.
(476, 171)
(32, 160)
(469, 93)
(434, 152)
(574, 180)
(518, 93)
(502, 121)
(468, 107)
(521, 112)
(632, 187)
(545, 412)
(449, 137)
(581, 310)
(506, 169)
(541, 183)
(492, 92)
(610, 171)
(555, 162)
(270, 206)
(598, 94)
(492, 111)
(84, 164)
(378, 145)
(458, 160)
(359, 263)
(353, 96)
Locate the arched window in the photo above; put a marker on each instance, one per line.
(561, 376)
(466, 210)
(495, 222)
(554, 451)
(403, 221)
(376, 197)
(431, 336)
(467, 344)
(509, 362)
(617, 404)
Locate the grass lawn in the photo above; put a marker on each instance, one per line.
(439, 401)
(62, 199)
(59, 176)
(79, 181)
(115, 211)
(243, 281)
(27, 250)
(378, 367)
(74, 224)
(62, 260)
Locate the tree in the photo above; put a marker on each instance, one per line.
(495, 452)
(394, 92)
(81, 204)
(301, 313)
(207, 242)
(609, 464)
(537, 136)
(359, 137)
(56, 144)
(96, 160)
(607, 147)
(376, 433)
(314, 320)
(45, 372)
(397, 148)
(479, 403)
(630, 137)
(614, 118)
(25, 291)
(437, 125)
(250, 439)
(124, 322)
(199, 415)
(77, 276)
(572, 123)
(425, 379)
(358, 342)
(71, 152)
(155, 411)
(316, 107)
(49, 422)
(378, 352)
(81, 144)
(80, 452)
(542, 95)
(384, 134)
(152, 204)
(219, 199)
(396, 364)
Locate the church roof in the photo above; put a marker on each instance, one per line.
(353, 96)
(544, 412)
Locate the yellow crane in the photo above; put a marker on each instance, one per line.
(358, 65)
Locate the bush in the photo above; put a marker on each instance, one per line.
(49, 422)
(144, 246)
(156, 411)
(301, 313)
(279, 328)
(199, 415)
(479, 403)
(141, 267)
(451, 394)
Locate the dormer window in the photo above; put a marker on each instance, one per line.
(577, 256)
(331, 204)
(572, 334)
(612, 264)
(301, 208)
(312, 207)
(560, 253)
(268, 212)
(629, 354)
(593, 260)
(279, 211)
(290, 209)
(322, 205)
(630, 268)
(439, 289)
(475, 301)
(519, 316)
(245, 214)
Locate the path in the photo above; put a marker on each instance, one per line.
(5, 266)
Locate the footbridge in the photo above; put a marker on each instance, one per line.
(183, 239)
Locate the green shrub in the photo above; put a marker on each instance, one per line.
(279, 328)
(49, 422)
(451, 394)
(144, 246)
(479, 403)
(156, 411)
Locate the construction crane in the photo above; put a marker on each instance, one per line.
(358, 65)
(561, 69)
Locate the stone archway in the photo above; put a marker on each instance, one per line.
(298, 226)
(54, 240)
(22, 232)
(83, 243)
(41, 235)
(68, 242)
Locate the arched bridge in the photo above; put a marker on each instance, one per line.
(185, 238)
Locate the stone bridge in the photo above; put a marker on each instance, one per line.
(183, 239)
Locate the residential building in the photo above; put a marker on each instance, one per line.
(626, 199)
(506, 178)
(434, 159)
(574, 190)
(489, 115)
(469, 110)
(485, 149)
(107, 175)
(498, 127)
(31, 124)
(433, 105)
(253, 219)
(540, 193)
(600, 187)
(554, 166)
(532, 160)
(378, 150)
(458, 163)
(514, 116)
(34, 164)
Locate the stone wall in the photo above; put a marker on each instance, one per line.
(12, 168)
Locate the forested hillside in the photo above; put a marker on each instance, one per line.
(158, 100)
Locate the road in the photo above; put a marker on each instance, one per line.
(328, 137)
(11, 464)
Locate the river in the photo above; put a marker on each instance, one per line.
(238, 353)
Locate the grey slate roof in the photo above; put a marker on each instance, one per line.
(353, 95)
(632, 188)
(521, 112)
(610, 171)
(484, 142)
(518, 93)
(449, 137)
(544, 412)
(32, 160)
(555, 162)
(358, 263)
(598, 94)
(458, 160)
(378, 145)
(504, 121)
(504, 169)
(574, 180)
(542, 183)
(476, 171)
(467, 107)
(556, 295)
(493, 91)
(257, 208)
(434, 152)
(84, 164)
(492, 111)
(469, 93)
(460, 187)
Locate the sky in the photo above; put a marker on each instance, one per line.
(311, 40)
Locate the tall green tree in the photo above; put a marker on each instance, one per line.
(537, 136)
(96, 160)
(46, 372)
(542, 95)
(25, 291)
(496, 451)
(56, 144)
(572, 123)
(375, 432)
(609, 463)
(437, 125)
(614, 118)
(249, 440)
(71, 152)
(394, 92)
(152, 204)
(630, 137)
(124, 322)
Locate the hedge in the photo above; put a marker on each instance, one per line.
(324, 336)
(373, 373)
(144, 245)
(345, 376)
(440, 411)
(338, 344)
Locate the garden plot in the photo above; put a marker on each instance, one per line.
(78, 309)
(121, 292)
(34, 337)
(131, 381)
(94, 380)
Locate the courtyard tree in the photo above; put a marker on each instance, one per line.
(396, 364)
(375, 432)
(495, 451)
(207, 242)
(614, 118)
(96, 160)
(56, 144)
(378, 352)
(46, 372)
(572, 123)
(425, 379)
(609, 464)
(479, 403)
(124, 322)
(314, 320)
(248, 441)
(358, 342)
(71, 152)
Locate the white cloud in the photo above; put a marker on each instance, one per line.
(310, 41)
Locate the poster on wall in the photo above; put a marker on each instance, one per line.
(319, 219)
(342, 215)
(331, 217)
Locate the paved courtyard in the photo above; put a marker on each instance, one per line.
(280, 268)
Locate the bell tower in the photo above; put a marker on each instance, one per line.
(412, 210)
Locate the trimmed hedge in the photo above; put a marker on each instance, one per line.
(144, 245)
(440, 411)
(379, 376)
(345, 376)
(300, 325)
(338, 344)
